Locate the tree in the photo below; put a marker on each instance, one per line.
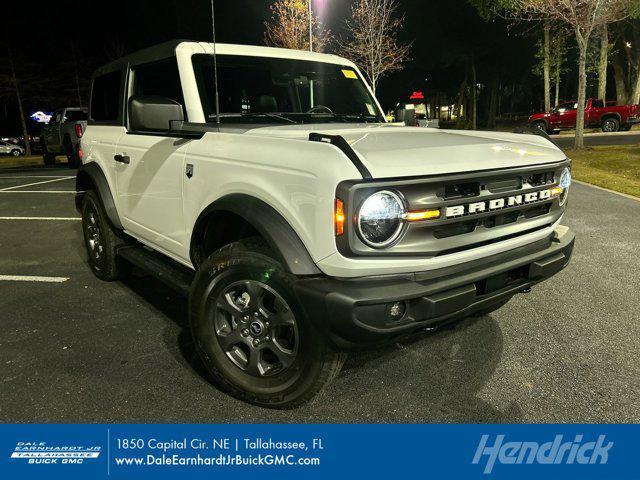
(546, 65)
(289, 27)
(13, 83)
(584, 17)
(603, 64)
(373, 42)
(551, 59)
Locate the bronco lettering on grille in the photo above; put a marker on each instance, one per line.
(498, 203)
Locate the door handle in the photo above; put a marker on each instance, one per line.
(122, 159)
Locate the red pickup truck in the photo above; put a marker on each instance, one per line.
(597, 114)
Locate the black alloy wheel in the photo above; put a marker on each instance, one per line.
(256, 328)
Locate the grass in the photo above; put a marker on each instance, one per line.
(613, 167)
(8, 161)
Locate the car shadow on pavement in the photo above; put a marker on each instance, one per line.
(176, 308)
(438, 376)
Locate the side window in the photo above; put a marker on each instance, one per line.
(105, 97)
(597, 104)
(158, 78)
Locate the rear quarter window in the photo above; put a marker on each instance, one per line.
(105, 97)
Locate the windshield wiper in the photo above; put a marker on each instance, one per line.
(276, 116)
(350, 116)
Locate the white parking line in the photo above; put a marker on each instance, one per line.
(33, 176)
(65, 219)
(22, 278)
(35, 183)
(38, 191)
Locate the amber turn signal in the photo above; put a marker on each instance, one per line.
(420, 215)
(339, 217)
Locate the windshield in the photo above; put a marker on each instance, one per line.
(268, 90)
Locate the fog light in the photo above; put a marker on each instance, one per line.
(396, 310)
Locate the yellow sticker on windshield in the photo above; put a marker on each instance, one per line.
(349, 74)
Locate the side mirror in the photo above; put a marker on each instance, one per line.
(150, 113)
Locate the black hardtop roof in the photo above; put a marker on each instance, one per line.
(147, 55)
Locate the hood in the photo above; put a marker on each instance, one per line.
(397, 151)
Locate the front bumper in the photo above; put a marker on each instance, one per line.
(355, 312)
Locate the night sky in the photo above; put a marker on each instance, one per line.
(445, 34)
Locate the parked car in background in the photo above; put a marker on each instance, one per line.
(610, 118)
(7, 148)
(62, 135)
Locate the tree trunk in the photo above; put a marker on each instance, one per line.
(622, 93)
(493, 105)
(547, 66)
(604, 64)
(76, 74)
(23, 122)
(582, 90)
(463, 89)
(474, 95)
(635, 96)
(558, 80)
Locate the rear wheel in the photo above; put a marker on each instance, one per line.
(252, 334)
(48, 157)
(102, 241)
(73, 160)
(610, 125)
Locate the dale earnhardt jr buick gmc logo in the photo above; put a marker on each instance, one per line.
(499, 203)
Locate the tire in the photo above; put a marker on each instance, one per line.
(490, 309)
(72, 156)
(73, 160)
(16, 153)
(540, 126)
(48, 157)
(102, 241)
(291, 363)
(610, 125)
(626, 128)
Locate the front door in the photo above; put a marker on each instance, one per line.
(149, 175)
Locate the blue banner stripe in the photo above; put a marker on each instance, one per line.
(318, 451)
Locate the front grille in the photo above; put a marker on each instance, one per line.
(467, 230)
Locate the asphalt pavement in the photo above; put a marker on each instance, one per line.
(75, 349)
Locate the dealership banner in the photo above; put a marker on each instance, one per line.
(318, 451)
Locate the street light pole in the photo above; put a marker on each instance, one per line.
(310, 27)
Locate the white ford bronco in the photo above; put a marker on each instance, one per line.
(266, 185)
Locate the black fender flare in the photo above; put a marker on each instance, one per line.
(92, 174)
(273, 227)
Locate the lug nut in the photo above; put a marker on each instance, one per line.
(267, 338)
(245, 318)
(256, 314)
(245, 332)
(266, 324)
(256, 342)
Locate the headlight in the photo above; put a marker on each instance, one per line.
(565, 183)
(380, 219)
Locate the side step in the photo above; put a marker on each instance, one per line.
(162, 268)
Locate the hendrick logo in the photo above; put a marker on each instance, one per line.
(550, 453)
(40, 452)
(498, 203)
